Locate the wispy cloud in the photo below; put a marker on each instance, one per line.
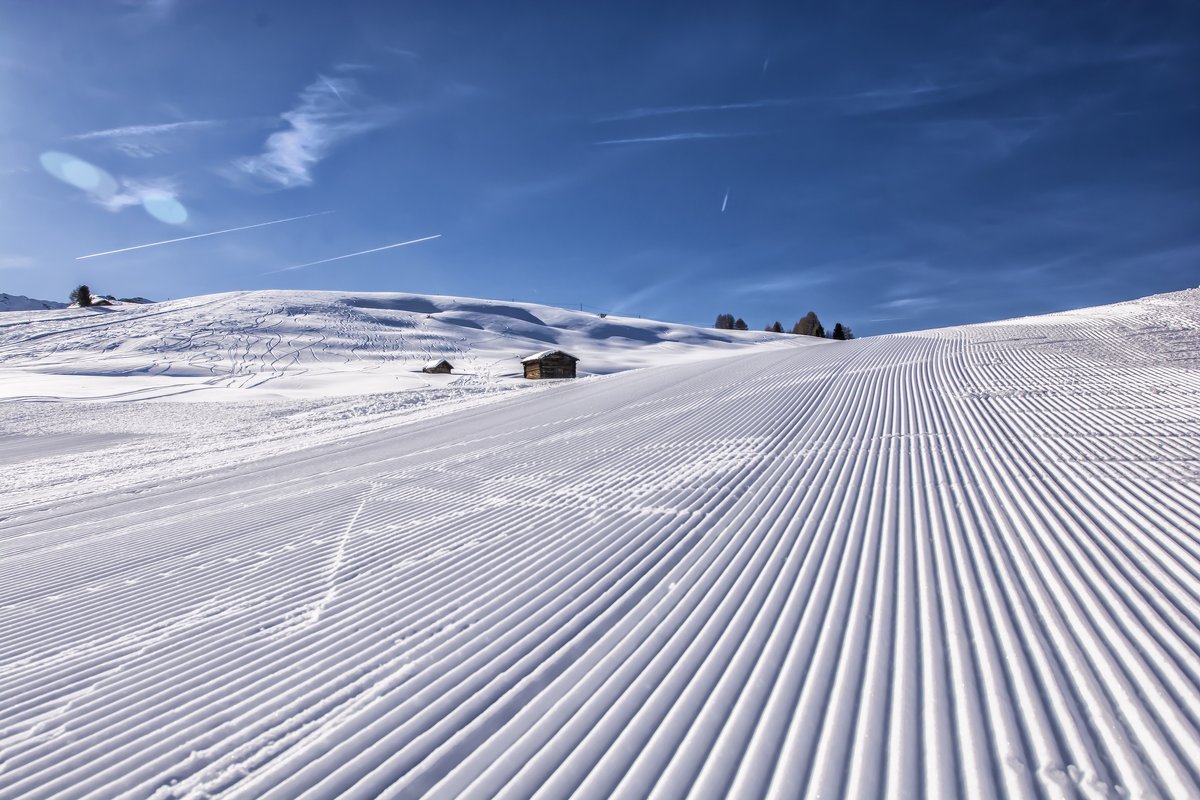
(145, 130)
(677, 137)
(153, 10)
(784, 283)
(332, 87)
(136, 192)
(905, 307)
(144, 141)
(636, 299)
(662, 111)
(869, 100)
(324, 117)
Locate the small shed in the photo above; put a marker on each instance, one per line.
(550, 364)
(439, 366)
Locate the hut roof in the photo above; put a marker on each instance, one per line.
(547, 354)
(437, 362)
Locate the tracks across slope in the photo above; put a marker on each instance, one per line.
(961, 563)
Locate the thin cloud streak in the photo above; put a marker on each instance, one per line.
(201, 235)
(352, 255)
(332, 88)
(662, 111)
(145, 130)
(156, 10)
(675, 137)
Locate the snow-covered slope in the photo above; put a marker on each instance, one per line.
(961, 563)
(292, 343)
(18, 302)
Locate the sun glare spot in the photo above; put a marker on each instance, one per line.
(108, 192)
(165, 208)
(79, 173)
(82, 175)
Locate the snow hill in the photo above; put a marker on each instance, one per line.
(957, 563)
(18, 302)
(317, 344)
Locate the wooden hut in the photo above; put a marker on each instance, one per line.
(439, 366)
(549, 364)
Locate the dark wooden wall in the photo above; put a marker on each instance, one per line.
(550, 368)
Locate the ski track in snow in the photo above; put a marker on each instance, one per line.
(960, 563)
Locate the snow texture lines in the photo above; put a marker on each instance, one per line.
(960, 563)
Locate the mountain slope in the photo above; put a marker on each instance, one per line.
(956, 563)
(18, 302)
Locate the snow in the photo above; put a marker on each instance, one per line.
(317, 345)
(19, 302)
(962, 562)
(538, 356)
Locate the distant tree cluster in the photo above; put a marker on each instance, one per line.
(726, 322)
(808, 325)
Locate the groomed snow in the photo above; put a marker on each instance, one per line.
(959, 563)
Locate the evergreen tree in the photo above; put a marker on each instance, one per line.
(775, 327)
(724, 322)
(741, 325)
(809, 325)
(839, 332)
(82, 295)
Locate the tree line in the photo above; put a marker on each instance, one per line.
(808, 325)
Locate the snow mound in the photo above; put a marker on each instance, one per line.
(17, 302)
(959, 563)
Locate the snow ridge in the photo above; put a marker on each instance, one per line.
(19, 302)
(957, 563)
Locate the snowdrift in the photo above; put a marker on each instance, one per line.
(959, 563)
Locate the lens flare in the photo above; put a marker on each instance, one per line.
(164, 208)
(108, 192)
(80, 174)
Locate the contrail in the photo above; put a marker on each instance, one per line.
(725, 202)
(200, 235)
(333, 88)
(352, 255)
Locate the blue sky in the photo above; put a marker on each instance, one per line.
(893, 166)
